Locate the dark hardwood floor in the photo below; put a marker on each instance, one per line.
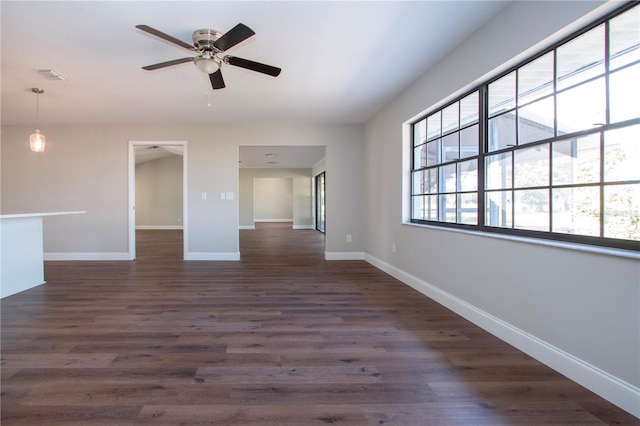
(281, 337)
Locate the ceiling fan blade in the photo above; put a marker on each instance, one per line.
(235, 35)
(253, 66)
(167, 64)
(164, 36)
(217, 82)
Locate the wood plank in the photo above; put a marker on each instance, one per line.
(263, 415)
(278, 375)
(69, 415)
(65, 360)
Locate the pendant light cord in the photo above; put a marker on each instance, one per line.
(38, 111)
(38, 92)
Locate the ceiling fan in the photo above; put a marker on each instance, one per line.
(210, 45)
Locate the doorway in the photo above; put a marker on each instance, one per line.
(295, 165)
(164, 153)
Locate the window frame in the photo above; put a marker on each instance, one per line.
(484, 150)
(441, 192)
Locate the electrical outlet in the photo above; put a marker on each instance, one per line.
(204, 195)
(393, 247)
(349, 238)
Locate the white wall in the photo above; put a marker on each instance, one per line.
(159, 193)
(85, 168)
(80, 170)
(318, 168)
(343, 171)
(301, 192)
(273, 199)
(578, 311)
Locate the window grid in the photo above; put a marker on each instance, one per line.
(444, 202)
(527, 199)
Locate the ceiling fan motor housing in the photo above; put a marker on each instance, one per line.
(203, 39)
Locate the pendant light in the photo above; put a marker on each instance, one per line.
(37, 140)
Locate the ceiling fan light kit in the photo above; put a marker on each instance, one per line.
(210, 45)
(207, 64)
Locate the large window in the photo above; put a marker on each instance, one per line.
(550, 149)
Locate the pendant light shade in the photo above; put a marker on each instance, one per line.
(37, 140)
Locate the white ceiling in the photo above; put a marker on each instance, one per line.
(290, 157)
(144, 153)
(341, 61)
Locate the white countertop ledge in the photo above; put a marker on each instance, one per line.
(20, 215)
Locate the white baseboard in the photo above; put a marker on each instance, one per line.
(159, 227)
(294, 226)
(343, 255)
(192, 255)
(86, 256)
(611, 388)
(273, 220)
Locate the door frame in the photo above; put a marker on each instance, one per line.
(322, 205)
(131, 212)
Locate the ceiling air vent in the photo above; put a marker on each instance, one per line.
(51, 74)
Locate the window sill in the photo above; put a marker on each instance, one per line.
(538, 241)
